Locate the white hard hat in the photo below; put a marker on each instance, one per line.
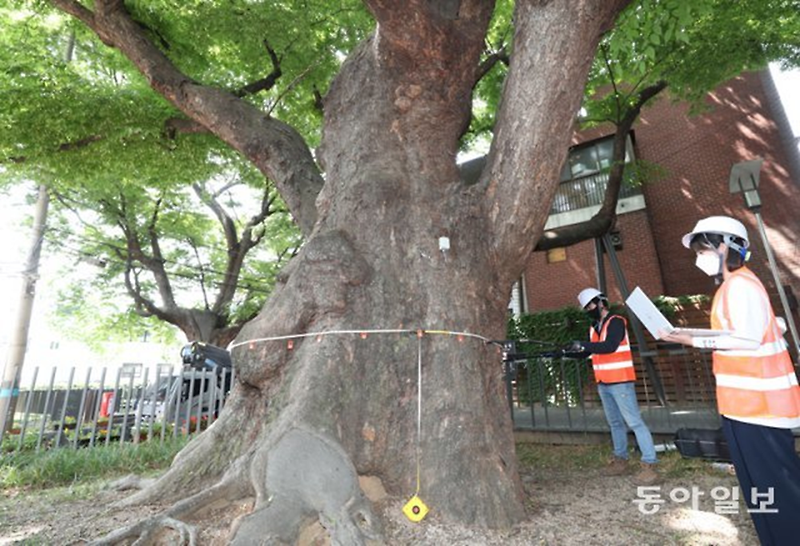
(722, 225)
(587, 295)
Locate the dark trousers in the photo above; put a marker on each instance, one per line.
(764, 459)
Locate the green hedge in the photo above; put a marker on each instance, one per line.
(551, 380)
(554, 327)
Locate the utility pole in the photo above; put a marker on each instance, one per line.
(744, 179)
(9, 387)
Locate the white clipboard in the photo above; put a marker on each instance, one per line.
(655, 321)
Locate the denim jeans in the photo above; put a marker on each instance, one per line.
(621, 409)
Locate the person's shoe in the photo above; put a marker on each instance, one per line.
(647, 475)
(616, 467)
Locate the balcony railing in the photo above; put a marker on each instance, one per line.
(587, 191)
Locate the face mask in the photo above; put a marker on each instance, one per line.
(594, 314)
(709, 263)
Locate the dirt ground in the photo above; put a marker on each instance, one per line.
(570, 502)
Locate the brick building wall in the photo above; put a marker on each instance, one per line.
(697, 153)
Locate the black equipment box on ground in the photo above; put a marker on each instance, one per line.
(702, 443)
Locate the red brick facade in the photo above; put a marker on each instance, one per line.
(697, 152)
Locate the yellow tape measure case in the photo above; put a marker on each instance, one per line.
(415, 509)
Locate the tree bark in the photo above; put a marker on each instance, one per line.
(334, 405)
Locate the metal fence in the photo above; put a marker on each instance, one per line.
(139, 406)
(560, 394)
(544, 394)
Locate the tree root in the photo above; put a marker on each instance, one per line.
(229, 490)
(130, 482)
(307, 475)
(300, 476)
(149, 530)
(206, 460)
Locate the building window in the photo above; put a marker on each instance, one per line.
(584, 176)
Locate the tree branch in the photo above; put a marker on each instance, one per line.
(173, 126)
(156, 264)
(599, 224)
(274, 147)
(522, 174)
(82, 143)
(607, 61)
(79, 12)
(237, 248)
(228, 226)
(235, 256)
(291, 85)
(264, 83)
(248, 241)
(501, 55)
(134, 252)
(65, 147)
(318, 102)
(202, 271)
(144, 306)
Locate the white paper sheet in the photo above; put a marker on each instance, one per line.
(655, 322)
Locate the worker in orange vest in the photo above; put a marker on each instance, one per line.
(612, 362)
(757, 390)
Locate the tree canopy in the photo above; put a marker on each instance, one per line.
(77, 117)
(218, 243)
(93, 117)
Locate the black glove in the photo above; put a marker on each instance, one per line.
(574, 347)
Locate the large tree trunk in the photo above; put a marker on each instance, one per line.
(308, 416)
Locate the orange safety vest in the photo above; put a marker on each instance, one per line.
(615, 367)
(759, 383)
